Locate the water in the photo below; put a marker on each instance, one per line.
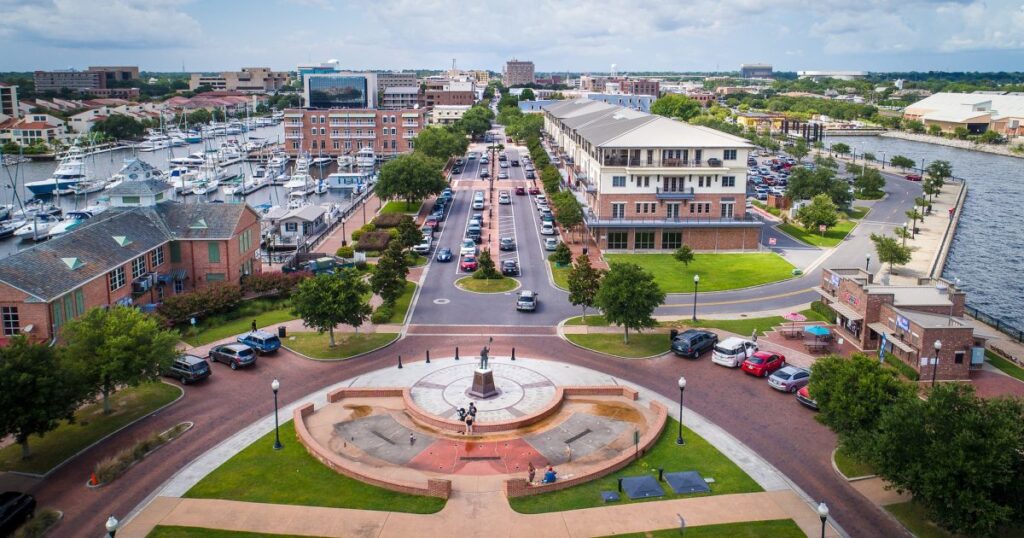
(104, 165)
(986, 250)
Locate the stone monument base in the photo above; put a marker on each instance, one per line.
(483, 384)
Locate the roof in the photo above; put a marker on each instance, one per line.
(200, 221)
(146, 187)
(912, 295)
(307, 212)
(401, 90)
(34, 125)
(933, 321)
(971, 104)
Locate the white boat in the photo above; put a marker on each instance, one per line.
(345, 161)
(158, 141)
(75, 219)
(202, 188)
(321, 161)
(229, 154)
(88, 187)
(193, 159)
(321, 187)
(37, 228)
(296, 199)
(70, 171)
(366, 158)
(347, 180)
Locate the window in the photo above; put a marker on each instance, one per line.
(672, 211)
(730, 155)
(213, 252)
(116, 278)
(179, 286)
(138, 267)
(215, 277)
(159, 196)
(618, 240)
(12, 323)
(958, 357)
(728, 181)
(643, 240)
(131, 200)
(245, 241)
(618, 181)
(618, 210)
(156, 257)
(337, 145)
(727, 209)
(291, 226)
(671, 240)
(175, 252)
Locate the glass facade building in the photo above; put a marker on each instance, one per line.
(340, 91)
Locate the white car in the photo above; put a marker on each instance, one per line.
(540, 198)
(547, 229)
(733, 351)
(550, 243)
(478, 204)
(423, 247)
(468, 248)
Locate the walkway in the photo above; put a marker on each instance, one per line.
(357, 219)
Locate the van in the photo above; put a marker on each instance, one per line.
(188, 368)
(261, 341)
(733, 351)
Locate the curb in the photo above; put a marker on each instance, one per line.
(570, 342)
(398, 336)
(191, 425)
(519, 284)
(832, 460)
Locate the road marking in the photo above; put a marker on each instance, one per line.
(442, 301)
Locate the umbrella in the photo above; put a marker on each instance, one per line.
(795, 317)
(817, 330)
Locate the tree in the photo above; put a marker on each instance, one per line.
(412, 176)
(37, 391)
(820, 212)
(805, 184)
(673, 105)
(440, 143)
(900, 161)
(568, 211)
(914, 215)
(890, 251)
(118, 347)
(841, 148)
(328, 300)
(683, 254)
(914, 126)
(527, 95)
(388, 279)
(959, 455)
(934, 130)
(408, 234)
(825, 161)
(199, 116)
(486, 269)
(869, 157)
(799, 150)
(119, 127)
(476, 121)
(584, 281)
(869, 182)
(937, 174)
(628, 296)
(960, 133)
(562, 255)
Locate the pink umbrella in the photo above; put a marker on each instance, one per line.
(795, 317)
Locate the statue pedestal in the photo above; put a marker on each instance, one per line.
(483, 384)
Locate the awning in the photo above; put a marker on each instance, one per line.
(846, 311)
(824, 293)
(890, 337)
(179, 274)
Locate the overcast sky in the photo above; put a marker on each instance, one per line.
(558, 35)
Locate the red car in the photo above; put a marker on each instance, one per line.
(431, 222)
(468, 264)
(763, 363)
(804, 397)
(534, 190)
(520, 191)
(913, 177)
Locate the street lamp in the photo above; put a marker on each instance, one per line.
(867, 262)
(883, 160)
(906, 232)
(274, 386)
(935, 365)
(112, 524)
(696, 281)
(682, 385)
(823, 514)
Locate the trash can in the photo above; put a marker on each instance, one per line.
(672, 335)
(586, 251)
(282, 331)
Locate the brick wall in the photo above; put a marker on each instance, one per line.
(603, 207)
(711, 238)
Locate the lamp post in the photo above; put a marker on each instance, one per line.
(112, 525)
(682, 386)
(867, 262)
(696, 281)
(935, 365)
(823, 514)
(906, 228)
(274, 386)
(883, 160)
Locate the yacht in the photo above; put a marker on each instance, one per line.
(345, 161)
(296, 199)
(347, 180)
(229, 154)
(88, 187)
(74, 219)
(366, 158)
(321, 161)
(34, 207)
(8, 228)
(321, 187)
(37, 228)
(70, 171)
(158, 141)
(192, 159)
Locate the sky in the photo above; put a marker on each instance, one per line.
(565, 35)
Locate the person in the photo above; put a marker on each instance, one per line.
(531, 473)
(472, 409)
(253, 325)
(469, 423)
(462, 414)
(412, 439)
(568, 452)
(550, 476)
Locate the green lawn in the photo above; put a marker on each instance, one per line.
(90, 425)
(832, 237)
(415, 260)
(741, 326)
(560, 275)
(291, 476)
(639, 346)
(317, 346)
(400, 206)
(857, 212)
(480, 285)
(717, 271)
(1006, 366)
(850, 466)
(264, 311)
(696, 455)
(593, 320)
(779, 528)
(914, 517)
(164, 531)
(402, 304)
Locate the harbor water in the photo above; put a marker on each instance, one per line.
(986, 250)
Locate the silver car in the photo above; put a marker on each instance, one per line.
(789, 378)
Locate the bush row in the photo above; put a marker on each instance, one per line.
(178, 309)
(107, 470)
(824, 310)
(279, 283)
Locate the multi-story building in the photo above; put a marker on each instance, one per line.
(641, 87)
(117, 73)
(32, 128)
(345, 131)
(756, 71)
(400, 97)
(391, 79)
(447, 114)
(326, 68)
(518, 73)
(652, 183)
(249, 79)
(340, 90)
(82, 81)
(9, 101)
(144, 248)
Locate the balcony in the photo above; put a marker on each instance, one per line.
(680, 194)
(410, 124)
(663, 163)
(744, 221)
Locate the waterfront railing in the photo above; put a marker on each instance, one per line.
(1013, 332)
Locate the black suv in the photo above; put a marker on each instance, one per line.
(15, 509)
(692, 343)
(188, 368)
(510, 268)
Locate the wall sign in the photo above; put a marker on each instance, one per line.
(902, 323)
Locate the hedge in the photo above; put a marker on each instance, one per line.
(282, 283)
(345, 252)
(387, 220)
(178, 309)
(373, 241)
(823, 309)
(903, 368)
(382, 314)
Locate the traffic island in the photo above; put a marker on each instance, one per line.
(347, 345)
(487, 285)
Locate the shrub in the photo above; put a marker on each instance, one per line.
(377, 240)
(562, 255)
(387, 220)
(382, 314)
(37, 526)
(179, 309)
(357, 234)
(368, 227)
(108, 469)
(394, 233)
(361, 265)
(282, 283)
(345, 252)
(903, 368)
(824, 310)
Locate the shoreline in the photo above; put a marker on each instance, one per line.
(1003, 150)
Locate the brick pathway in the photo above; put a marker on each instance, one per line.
(332, 243)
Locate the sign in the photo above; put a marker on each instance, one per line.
(193, 321)
(772, 241)
(834, 280)
(881, 348)
(822, 228)
(902, 323)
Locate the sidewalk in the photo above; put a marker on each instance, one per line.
(332, 243)
(928, 242)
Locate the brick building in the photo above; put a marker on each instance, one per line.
(399, 97)
(518, 73)
(249, 79)
(905, 321)
(135, 253)
(9, 101)
(337, 132)
(641, 87)
(117, 73)
(55, 81)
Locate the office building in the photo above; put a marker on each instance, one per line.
(651, 183)
(327, 68)
(9, 101)
(249, 79)
(641, 87)
(400, 97)
(390, 79)
(756, 71)
(518, 73)
(340, 90)
(117, 73)
(341, 131)
(837, 75)
(81, 81)
(449, 93)
(447, 114)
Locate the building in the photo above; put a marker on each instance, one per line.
(480, 76)
(837, 75)
(762, 122)
(977, 112)
(32, 128)
(905, 321)
(391, 79)
(9, 101)
(84, 121)
(139, 251)
(400, 97)
(117, 73)
(229, 102)
(327, 68)
(705, 98)
(249, 79)
(641, 87)
(449, 93)
(338, 131)
(756, 71)
(447, 114)
(652, 183)
(80, 81)
(518, 73)
(340, 90)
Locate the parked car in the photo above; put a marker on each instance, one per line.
(468, 248)
(547, 228)
(527, 301)
(520, 191)
(510, 268)
(478, 204)
(691, 343)
(763, 363)
(550, 243)
(803, 395)
(261, 341)
(234, 355)
(188, 369)
(913, 177)
(515, 162)
(424, 246)
(733, 351)
(534, 190)
(15, 509)
(484, 174)
(502, 175)
(530, 175)
(432, 222)
(789, 378)
(506, 243)
(504, 198)
(468, 263)
(445, 254)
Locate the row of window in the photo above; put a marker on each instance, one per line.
(117, 278)
(359, 132)
(334, 121)
(336, 144)
(674, 183)
(644, 240)
(727, 209)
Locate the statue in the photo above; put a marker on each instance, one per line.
(483, 355)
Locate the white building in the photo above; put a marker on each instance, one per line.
(447, 114)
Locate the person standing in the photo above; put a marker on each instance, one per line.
(531, 473)
(253, 325)
(472, 409)
(469, 423)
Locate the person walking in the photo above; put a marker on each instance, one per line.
(472, 409)
(253, 325)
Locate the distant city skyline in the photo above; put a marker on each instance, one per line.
(587, 36)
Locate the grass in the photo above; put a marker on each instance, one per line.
(264, 311)
(741, 326)
(1005, 365)
(914, 517)
(481, 285)
(291, 476)
(415, 260)
(317, 346)
(640, 344)
(717, 271)
(401, 206)
(832, 237)
(593, 320)
(90, 425)
(697, 455)
(870, 195)
(402, 304)
(165, 531)
(850, 466)
(857, 212)
(560, 275)
(778, 528)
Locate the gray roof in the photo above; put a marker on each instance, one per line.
(200, 221)
(146, 187)
(390, 90)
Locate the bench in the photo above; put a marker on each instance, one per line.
(791, 332)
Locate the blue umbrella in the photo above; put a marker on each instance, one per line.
(817, 330)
